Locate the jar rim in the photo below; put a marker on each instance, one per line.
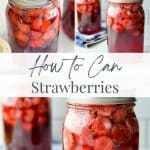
(126, 1)
(101, 100)
(31, 4)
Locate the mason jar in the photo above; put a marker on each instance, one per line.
(33, 26)
(89, 16)
(125, 26)
(68, 18)
(101, 123)
(27, 123)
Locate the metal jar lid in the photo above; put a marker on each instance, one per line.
(101, 100)
(31, 3)
(126, 1)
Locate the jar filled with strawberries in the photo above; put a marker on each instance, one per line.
(27, 123)
(89, 16)
(101, 124)
(33, 26)
(125, 26)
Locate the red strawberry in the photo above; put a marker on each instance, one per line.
(132, 125)
(22, 38)
(125, 14)
(25, 28)
(45, 25)
(12, 114)
(35, 35)
(48, 35)
(42, 120)
(18, 114)
(140, 13)
(26, 19)
(45, 101)
(27, 127)
(36, 101)
(19, 103)
(117, 27)
(102, 126)
(106, 110)
(37, 43)
(128, 24)
(135, 7)
(109, 21)
(77, 138)
(119, 115)
(103, 143)
(127, 6)
(36, 24)
(89, 8)
(42, 109)
(29, 115)
(93, 114)
(11, 122)
(81, 8)
(68, 140)
(131, 114)
(121, 134)
(7, 118)
(13, 17)
(87, 136)
(135, 33)
(118, 20)
(135, 17)
(27, 103)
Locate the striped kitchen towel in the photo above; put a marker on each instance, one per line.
(86, 41)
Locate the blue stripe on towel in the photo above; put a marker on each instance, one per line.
(84, 40)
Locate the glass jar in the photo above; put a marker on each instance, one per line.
(27, 123)
(68, 19)
(96, 124)
(89, 16)
(33, 26)
(125, 26)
